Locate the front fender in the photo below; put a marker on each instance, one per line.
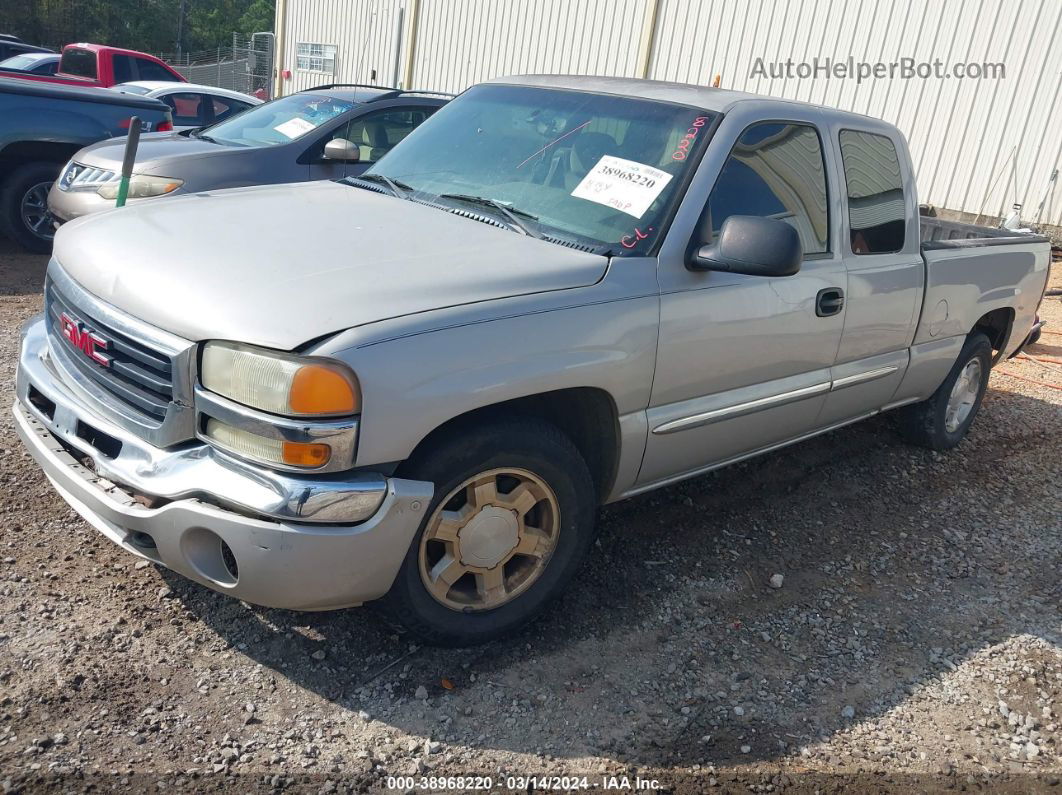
(414, 384)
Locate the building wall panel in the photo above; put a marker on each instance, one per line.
(977, 145)
(363, 31)
(461, 42)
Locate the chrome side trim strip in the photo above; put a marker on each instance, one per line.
(742, 457)
(739, 409)
(862, 378)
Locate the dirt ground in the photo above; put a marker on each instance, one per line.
(915, 641)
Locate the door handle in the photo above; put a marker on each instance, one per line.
(829, 302)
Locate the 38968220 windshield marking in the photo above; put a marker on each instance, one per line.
(687, 140)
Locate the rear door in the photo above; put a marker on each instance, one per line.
(744, 362)
(884, 266)
(189, 108)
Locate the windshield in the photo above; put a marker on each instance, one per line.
(78, 62)
(19, 62)
(130, 88)
(596, 169)
(278, 122)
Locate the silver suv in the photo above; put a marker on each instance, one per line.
(327, 132)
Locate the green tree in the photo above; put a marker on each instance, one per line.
(146, 25)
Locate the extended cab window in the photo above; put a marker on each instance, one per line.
(80, 63)
(875, 192)
(149, 70)
(776, 170)
(123, 68)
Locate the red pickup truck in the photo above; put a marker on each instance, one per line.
(99, 65)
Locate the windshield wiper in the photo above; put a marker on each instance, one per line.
(399, 189)
(508, 211)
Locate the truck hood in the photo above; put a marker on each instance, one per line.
(154, 151)
(281, 265)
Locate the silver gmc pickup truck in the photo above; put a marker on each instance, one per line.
(417, 385)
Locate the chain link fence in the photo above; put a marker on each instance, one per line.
(245, 66)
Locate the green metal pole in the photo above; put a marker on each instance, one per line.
(127, 163)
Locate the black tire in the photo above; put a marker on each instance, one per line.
(925, 423)
(524, 443)
(14, 189)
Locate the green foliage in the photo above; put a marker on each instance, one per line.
(146, 25)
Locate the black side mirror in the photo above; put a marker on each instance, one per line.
(753, 246)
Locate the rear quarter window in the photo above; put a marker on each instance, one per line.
(876, 211)
(78, 62)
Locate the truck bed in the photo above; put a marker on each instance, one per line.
(972, 271)
(955, 234)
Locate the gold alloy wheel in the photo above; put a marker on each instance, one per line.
(489, 540)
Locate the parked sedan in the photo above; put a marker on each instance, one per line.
(193, 105)
(13, 45)
(328, 132)
(32, 63)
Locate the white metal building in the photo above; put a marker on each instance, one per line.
(980, 144)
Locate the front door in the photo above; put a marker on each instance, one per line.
(743, 361)
(374, 133)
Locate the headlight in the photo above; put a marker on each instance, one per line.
(278, 383)
(141, 186)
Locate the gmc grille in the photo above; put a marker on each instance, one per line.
(138, 376)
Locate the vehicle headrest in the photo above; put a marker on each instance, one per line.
(589, 147)
(373, 134)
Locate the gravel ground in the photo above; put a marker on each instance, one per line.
(912, 637)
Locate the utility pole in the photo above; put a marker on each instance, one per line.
(181, 10)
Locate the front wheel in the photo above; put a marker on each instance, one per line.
(510, 522)
(942, 421)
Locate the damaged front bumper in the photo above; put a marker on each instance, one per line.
(269, 538)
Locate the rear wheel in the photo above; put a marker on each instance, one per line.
(942, 421)
(24, 215)
(510, 522)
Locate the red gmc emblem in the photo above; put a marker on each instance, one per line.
(85, 340)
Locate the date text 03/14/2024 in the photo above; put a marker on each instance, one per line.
(521, 783)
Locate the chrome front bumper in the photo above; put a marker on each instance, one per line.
(245, 531)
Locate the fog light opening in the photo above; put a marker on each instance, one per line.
(210, 556)
(229, 560)
(142, 540)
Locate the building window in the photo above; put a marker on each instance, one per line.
(316, 58)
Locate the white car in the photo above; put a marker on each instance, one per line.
(193, 105)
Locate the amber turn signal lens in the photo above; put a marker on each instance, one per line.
(321, 390)
(301, 454)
